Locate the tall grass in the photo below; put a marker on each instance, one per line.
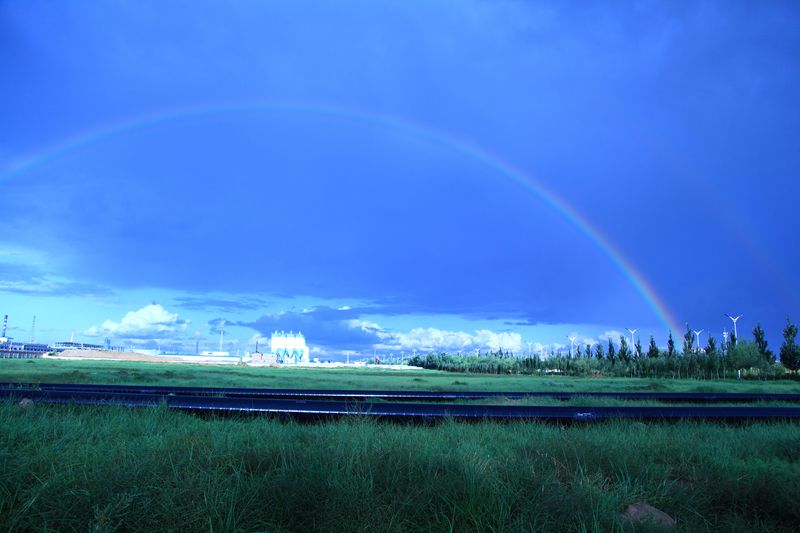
(102, 469)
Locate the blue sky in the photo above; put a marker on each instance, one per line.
(165, 167)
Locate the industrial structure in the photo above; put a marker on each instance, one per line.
(76, 345)
(220, 352)
(10, 349)
(284, 348)
(289, 348)
(19, 350)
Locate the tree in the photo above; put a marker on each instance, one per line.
(790, 352)
(637, 352)
(578, 352)
(761, 343)
(711, 347)
(670, 345)
(687, 340)
(652, 351)
(712, 362)
(598, 352)
(612, 352)
(624, 351)
(744, 355)
(588, 350)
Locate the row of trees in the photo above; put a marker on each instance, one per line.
(734, 358)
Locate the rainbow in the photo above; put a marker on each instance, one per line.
(446, 140)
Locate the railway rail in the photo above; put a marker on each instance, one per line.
(313, 409)
(413, 396)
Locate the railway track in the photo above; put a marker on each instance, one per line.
(407, 396)
(315, 409)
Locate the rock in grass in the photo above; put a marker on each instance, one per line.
(25, 403)
(643, 512)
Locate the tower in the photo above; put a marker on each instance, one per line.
(633, 342)
(734, 319)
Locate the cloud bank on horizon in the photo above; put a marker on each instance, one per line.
(671, 128)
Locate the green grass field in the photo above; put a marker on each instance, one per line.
(110, 468)
(65, 371)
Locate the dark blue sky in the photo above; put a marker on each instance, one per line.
(291, 165)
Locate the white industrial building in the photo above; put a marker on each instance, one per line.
(289, 348)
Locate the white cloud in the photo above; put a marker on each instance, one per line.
(150, 322)
(505, 340)
(538, 347)
(258, 337)
(612, 334)
(369, 327)
(427, 339)
(319, 351)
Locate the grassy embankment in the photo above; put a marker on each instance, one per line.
(79, 468)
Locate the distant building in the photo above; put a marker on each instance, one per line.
(75, 345)
(289, 348)
(259, 358)
(107, 346)
(21, 350)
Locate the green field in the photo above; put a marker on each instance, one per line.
(65, 371)
(103, 469)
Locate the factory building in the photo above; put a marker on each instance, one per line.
(19, 350)
(76, 345)
(289, 348)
